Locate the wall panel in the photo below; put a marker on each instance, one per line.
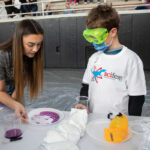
(6, 30)
(51, 42)
(81, 42)
(65, 46)
(125, 30)
(141, 37)
(68, 42)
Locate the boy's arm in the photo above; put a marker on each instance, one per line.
(135, 105)
(84, 90)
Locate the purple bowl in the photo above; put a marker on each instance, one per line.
(13, 133)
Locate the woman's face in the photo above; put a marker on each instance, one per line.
(32, 44)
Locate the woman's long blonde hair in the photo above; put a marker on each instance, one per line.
(31, 72)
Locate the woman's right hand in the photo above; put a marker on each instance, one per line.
(20, 112)
(80, 106)
(9, 101)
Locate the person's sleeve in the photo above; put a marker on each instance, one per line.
(87, 74)
(86, 78)
(2, 67)
(135, 81)
(84, 90)
(135, 105)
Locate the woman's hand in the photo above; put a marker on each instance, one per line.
(80, 106)
(9, 101)
(20, 112)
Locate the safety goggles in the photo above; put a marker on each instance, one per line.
(97, 35)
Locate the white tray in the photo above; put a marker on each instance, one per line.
(95, 129)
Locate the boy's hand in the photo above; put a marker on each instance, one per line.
(80, 106)
(20, 112)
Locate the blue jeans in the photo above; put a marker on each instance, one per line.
(30, 8)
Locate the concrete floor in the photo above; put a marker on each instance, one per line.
(61, 86)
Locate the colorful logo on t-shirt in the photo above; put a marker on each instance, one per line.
(100, 73)
(97, 73)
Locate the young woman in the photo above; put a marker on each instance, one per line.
(21, 63)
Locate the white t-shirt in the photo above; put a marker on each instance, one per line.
(112, 78)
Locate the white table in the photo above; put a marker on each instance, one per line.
(32, 137)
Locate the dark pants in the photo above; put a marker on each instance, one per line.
(11, 9)
(29, 8)
(90, 1)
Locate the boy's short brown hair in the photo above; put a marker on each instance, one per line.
(103, 16)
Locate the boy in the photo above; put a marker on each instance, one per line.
(114, 78)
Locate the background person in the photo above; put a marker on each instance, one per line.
(29, 7)
(68, 10)
(47, 10)
(144, 7)
(147, 2)
(10, 9)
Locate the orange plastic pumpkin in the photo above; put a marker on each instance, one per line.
(118, 129)
(120, 121)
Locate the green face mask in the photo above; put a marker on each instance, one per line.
(97, 35)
